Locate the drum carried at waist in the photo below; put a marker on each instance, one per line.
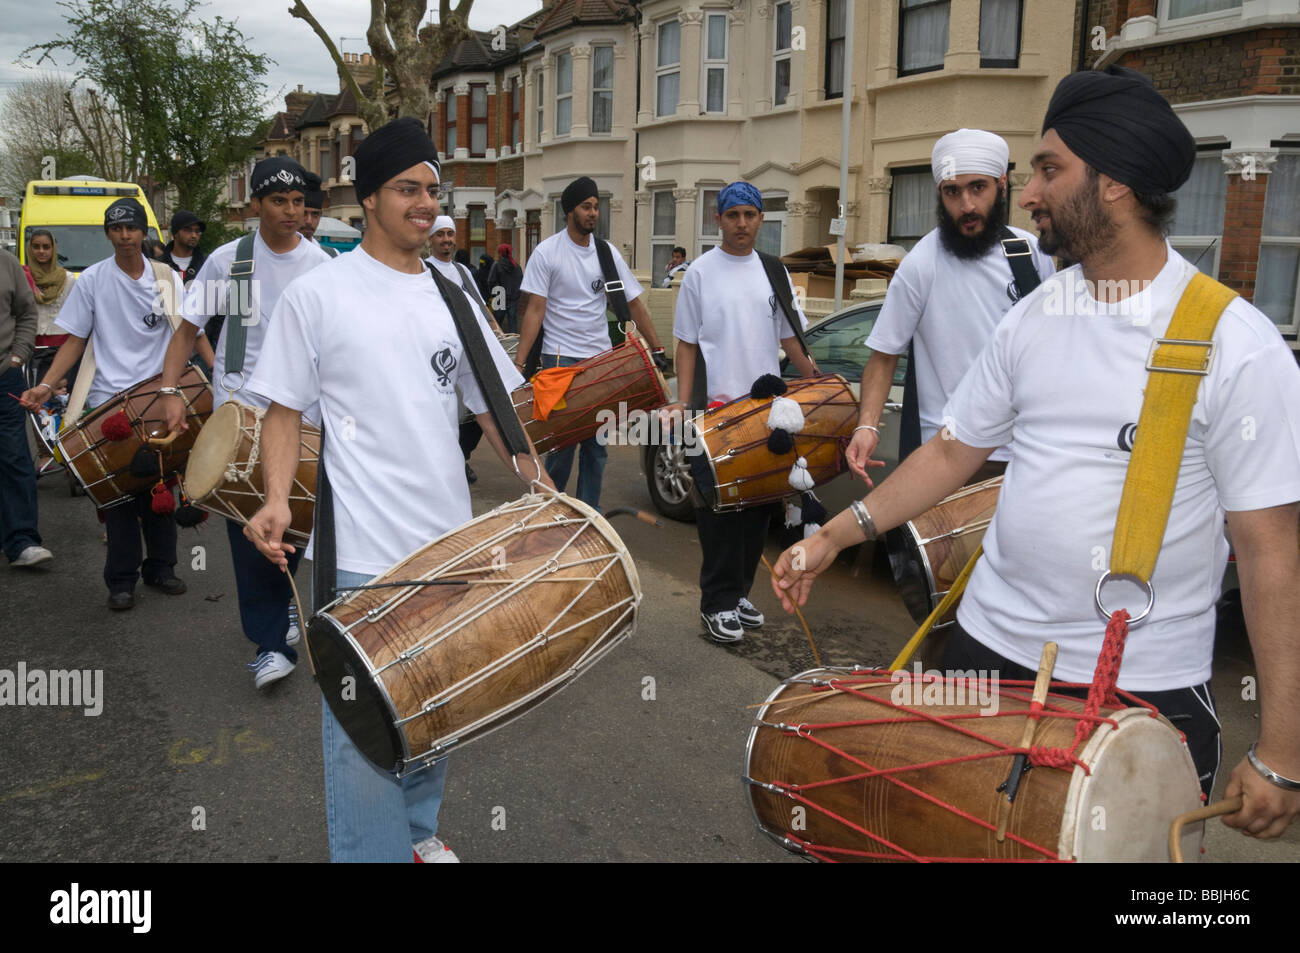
(928, 553)
(474, 629)
(100, 447)
(881, 766)
(224, 475)
(728, 446)
(620, 380)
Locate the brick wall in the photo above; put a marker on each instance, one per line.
(1238, 64)
(1242, 223)
(510, 174)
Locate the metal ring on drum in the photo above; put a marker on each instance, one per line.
(225, 375)
(1150, 591)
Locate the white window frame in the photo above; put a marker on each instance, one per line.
(781, 54)
(710, 65)
(1190, 246)
(826, 55)
(559, 97)
(709, 234)
(452, 122)
(1167, 22)
(661, 239)
(595, 51)
(777, 217)
(668, 69)
(539, 91)
(1285, 241)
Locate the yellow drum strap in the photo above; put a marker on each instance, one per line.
(1177, 364)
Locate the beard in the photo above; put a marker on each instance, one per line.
(1079, 225)
(970, 247)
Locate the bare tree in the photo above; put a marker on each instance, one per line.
(41, 135)
(403, 51)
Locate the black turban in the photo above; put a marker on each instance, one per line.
(313, 197)
(125, 211)
(1115, 121)
(389, 150)
(278, 174)
(577, 192)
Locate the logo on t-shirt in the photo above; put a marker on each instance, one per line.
(1013, 292)
(771, 302)
(1127, 434)
(151, 320)
(444, 366)
(598, 285)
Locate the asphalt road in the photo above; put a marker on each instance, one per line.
(640, 760)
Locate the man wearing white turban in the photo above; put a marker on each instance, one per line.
(947, 296)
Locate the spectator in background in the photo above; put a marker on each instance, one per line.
(182, 253)
(481, 274)
(676, 265)
(508, 276)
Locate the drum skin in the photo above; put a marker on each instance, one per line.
(478, 655)
(225, 469)
(625, 375)
(103, 466)
(1142, 777)
(733, 438)
(928, 553)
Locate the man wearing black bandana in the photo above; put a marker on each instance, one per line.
(367, 324)
(1065, 371)
(115, 304)
(948, 294)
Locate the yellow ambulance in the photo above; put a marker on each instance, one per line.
(72, 210)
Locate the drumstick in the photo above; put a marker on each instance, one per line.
(1041, 684)
(1231, 806)
(806, 631)
(297, 600)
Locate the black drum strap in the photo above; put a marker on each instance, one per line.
(324, 566)
(909, 436)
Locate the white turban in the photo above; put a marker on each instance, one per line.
(441, 222)
(969, 152)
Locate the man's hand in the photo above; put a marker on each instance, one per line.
(173, 410)
(35, 397)
(798, 566)
(1266, 809)
(266, 531)
(859, 452)
(670, 416)
(660, 359)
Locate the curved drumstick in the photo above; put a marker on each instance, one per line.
(1231, 806)
(806, 631)
(297, 600)
(161, 442)
(642, 515)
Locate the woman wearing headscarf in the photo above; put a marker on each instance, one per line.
(506, 274)
(51, 283)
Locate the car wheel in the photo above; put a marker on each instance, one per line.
(668, 478)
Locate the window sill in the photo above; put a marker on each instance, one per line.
(945, 76)
(666, 121)
(836, 103)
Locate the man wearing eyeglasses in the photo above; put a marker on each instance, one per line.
(280, 254)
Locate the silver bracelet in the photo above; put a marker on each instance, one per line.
(1269, 774)
(866, 427)
(171, 391)
(865, 522)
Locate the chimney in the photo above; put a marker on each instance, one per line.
(300, 87)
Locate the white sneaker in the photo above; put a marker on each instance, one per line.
(294, 635)
(724, 626)
(269, 667)
(434, 851)
(749, 615)
(32, 556)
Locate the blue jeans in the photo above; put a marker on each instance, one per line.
(17, 475)
(264, 593)
(591, 465)
(374, 817)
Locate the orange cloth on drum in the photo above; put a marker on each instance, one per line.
(549, 388)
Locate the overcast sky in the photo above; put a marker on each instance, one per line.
(299, 55)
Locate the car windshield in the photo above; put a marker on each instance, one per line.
(839, 345)
(80, 246)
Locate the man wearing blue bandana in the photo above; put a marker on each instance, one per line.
(728, 315)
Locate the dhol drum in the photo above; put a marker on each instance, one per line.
(879, 766)
(224, 475)
(929, 553)
(624, 378)
(474, 629)
(727, 446)
(102, 464)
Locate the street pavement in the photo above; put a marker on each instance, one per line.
(639, 760)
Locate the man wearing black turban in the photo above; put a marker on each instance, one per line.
(370, 323)
(1062, 383)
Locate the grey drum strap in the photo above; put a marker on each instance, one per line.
(613, 284)
(241, 298)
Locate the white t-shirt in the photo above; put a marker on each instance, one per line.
(1065, 391)
(726, 306)
(182, 263)
(379, 350)
(947, 307)
(568, 276)
(125, 319)
(455, 272)
(210, 292)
